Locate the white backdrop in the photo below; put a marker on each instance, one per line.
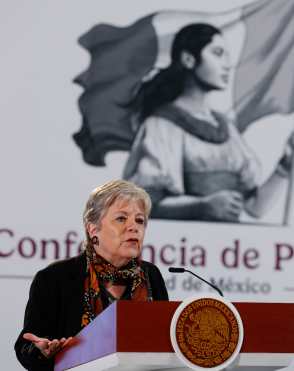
(44, 181)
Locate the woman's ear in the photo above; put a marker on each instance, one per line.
(188, 60)
(92, 229)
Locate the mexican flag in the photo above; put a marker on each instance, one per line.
(260, 38)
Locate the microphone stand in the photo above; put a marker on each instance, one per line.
(182, 270)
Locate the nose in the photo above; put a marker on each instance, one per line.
(132, 226)
(227, 68)
(227, 65)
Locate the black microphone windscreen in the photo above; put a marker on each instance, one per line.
(176, 270)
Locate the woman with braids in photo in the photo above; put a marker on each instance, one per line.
(192, 160)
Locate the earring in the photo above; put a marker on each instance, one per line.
(95, 240)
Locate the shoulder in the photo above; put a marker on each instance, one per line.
(162, 125)
(63, 268)
(157, 283)
(158, 130)
(150, 267)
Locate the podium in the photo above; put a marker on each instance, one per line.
(131, 336)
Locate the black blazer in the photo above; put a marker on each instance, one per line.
(54, 309)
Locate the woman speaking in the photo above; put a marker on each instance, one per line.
(67, 295)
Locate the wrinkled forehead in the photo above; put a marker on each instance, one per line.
(129, 204)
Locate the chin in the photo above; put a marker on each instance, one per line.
(210, 84)
(133, 253)
(219, 87)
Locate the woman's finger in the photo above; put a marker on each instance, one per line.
(237, 196)
(40, 343)
(54, 344)
(234, 209)
(61, 342)
(66, 342)
(31, 337)
(235, 205)
(47, 347)
(53, 348)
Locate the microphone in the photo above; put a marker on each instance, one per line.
(182, 270)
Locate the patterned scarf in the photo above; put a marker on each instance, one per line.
(100, 271)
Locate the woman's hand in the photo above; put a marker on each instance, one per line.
(225, 205)
(47, 347)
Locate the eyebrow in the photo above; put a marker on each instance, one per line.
(125, 213)
(217, 47)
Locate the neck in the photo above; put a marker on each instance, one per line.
(194, 102)
(117, 262)
(194, 98)
(116, 291)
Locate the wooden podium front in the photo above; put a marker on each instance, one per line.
(135, 336)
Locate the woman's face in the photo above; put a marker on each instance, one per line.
(213, 72)
(121, 232)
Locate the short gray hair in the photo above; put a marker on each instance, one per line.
(102, 197)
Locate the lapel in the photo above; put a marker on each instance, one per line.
(73, 296)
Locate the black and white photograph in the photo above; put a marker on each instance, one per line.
(156, 89)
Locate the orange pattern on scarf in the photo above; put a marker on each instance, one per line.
(99, 271)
